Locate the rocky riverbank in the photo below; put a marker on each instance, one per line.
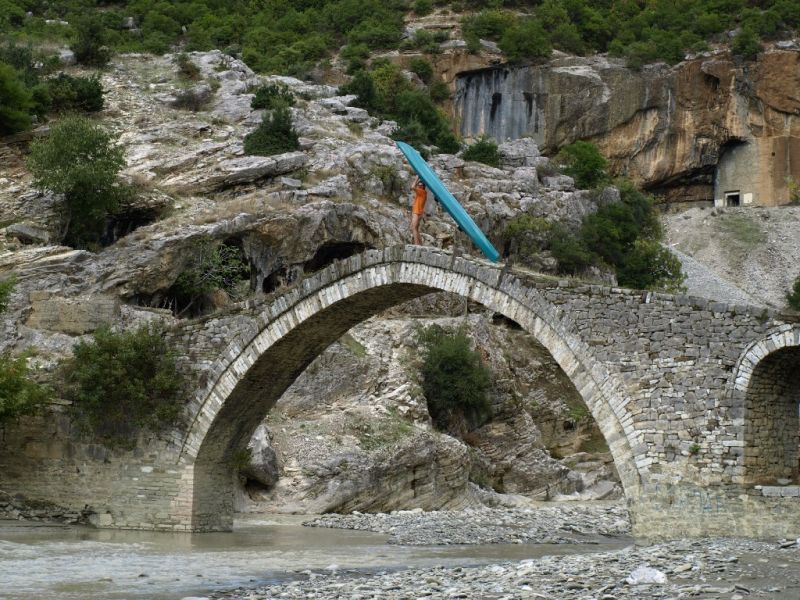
(557, 524)
(733, 569)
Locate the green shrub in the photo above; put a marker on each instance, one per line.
(485, 151)
(19, 394)
(439, 91)
(272, 95)
(274, 135)
(525, 42)
(526, 236)
(79, 159)
(794, 296)
(210, 267)
(423, 7)
(570, 251)
(650, 266)
(6, 287)
(583, 161)
(121, 384)
(746, 44)
(186, 68)
(423, 68)
(90, 40)
(66, 93)
(490, 24)
(16, 102)
(455, 381)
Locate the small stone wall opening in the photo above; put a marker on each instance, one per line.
(772, 426)
(732, 198)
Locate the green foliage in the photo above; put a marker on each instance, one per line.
(66, 93)
(90, 40)
(423, 7)
(746, 45)
(526, 236)
(583, 161)
(526, 41)
(385, 92)
(210, 267)
(274, 135)
(79, 159)
(570, 251)
(624, 236)
(272, 95)
(121, 384)
(6, 287)
(794, 296)
(485, 151)
(439, 91)
(16, 102)
(186, 68)
(455, 381)
(488, 24)
(423, 68)
(19, 394)
(292, 36)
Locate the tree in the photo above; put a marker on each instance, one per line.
(15, 102)
(526, 41)
(455, 381)
(123, 383)
(210, 267)
(746, 45)
(90, 41)
(78, 159)
(275, 135)
(583, 161)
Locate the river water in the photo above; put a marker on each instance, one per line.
(40, 561)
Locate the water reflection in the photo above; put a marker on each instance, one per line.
(76, 563)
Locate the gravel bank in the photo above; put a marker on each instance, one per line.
(729, 569)
(555, 524)
(719, 569)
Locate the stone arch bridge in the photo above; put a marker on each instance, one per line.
(698, 400)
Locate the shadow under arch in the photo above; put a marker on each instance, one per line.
(296, 327)
(767, 387)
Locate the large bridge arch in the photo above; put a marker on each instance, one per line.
(254, 371)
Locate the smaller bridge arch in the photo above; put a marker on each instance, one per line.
(767, 385)
(256, 369)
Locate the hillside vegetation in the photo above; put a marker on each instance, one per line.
(291, 36)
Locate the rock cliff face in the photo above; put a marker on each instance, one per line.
(709, 128)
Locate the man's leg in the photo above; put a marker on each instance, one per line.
(415, 219)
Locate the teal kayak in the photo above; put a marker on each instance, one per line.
(448, 201)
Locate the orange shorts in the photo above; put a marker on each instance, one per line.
(419, 201)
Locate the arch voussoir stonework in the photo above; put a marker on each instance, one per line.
(305, 320)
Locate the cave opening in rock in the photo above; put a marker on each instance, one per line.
(332, 251)
(126, 221)
(772, 426)
(213, 275)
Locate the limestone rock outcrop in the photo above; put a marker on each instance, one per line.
(676, 130)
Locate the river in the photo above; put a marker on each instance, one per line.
(40, 561)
